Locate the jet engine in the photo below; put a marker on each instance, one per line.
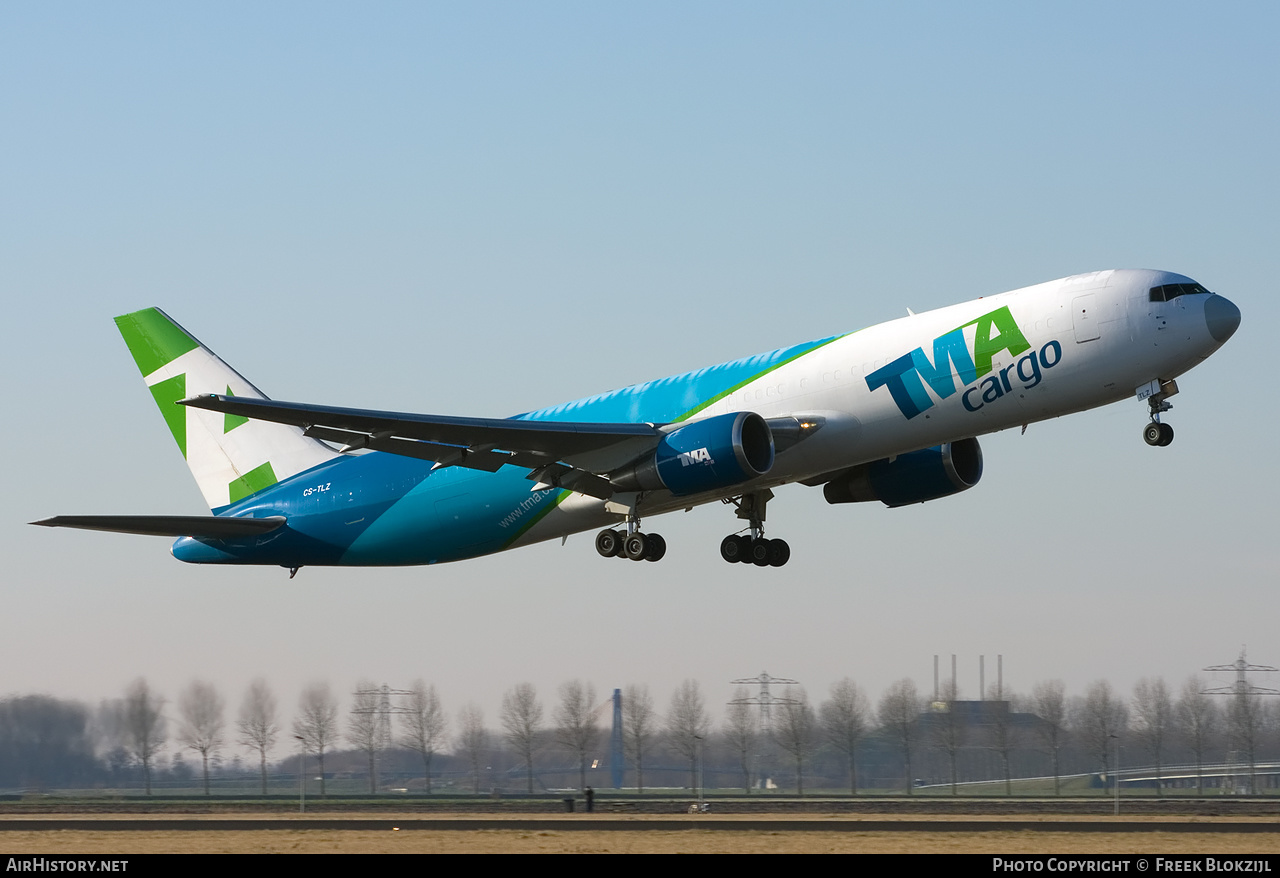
(911, 478)
(705, 455)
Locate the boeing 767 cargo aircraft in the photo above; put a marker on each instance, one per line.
(888, 413)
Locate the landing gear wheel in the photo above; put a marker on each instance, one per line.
(657, 548)
(760, 552)
(609, 543)
(731, 549)
(753, 547)
(779, 553)
(1166, 435)
(635, 546)
(1152, 434)
(755, 550)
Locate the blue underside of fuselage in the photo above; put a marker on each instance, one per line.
(380, 509)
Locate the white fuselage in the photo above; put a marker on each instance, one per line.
(1090, 340)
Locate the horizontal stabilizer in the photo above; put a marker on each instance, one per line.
(169, 525)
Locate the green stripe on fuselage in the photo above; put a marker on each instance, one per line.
(741, 384)
(537, 517)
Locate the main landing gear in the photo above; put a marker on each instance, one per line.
(748, 548)
(631, 543)
(753, 548)
(1157, 434)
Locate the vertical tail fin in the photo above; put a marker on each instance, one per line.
(231, 457)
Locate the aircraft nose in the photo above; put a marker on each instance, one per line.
(1222, 317)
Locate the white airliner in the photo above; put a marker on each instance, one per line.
(888, 413)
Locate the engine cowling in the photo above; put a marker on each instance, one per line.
(705, 455)
(914, 477)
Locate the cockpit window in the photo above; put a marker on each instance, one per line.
(1169, 292)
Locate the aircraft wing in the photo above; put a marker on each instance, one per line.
(545, 447)
(169, 525)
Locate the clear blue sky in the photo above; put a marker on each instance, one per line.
(484, 208)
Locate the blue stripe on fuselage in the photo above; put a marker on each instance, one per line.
(674, 398)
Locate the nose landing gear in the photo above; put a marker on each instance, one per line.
(1157, 396)
(1157, 434)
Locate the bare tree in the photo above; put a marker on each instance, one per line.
(143, 725)
(202, 722)
(1050, 700)
(1153, 715)
(426, 724)
(947, 728)
(317, 722)
(639, 722)
(741, 731)
(899, 715)
(1197, 718)
(575, 720)
(473, 741)
(846, 718)
(794, 731)
(522, 720)
(1000, 730)
(688, 725)
(258, 724)
(1100, 719)
(365, 729)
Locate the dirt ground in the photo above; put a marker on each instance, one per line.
(644, 842)
(648, 836)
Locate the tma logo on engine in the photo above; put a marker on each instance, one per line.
(953, 357)
(698, 455)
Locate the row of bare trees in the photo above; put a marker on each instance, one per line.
(136, 723)
(943, 737)
(139, 726)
